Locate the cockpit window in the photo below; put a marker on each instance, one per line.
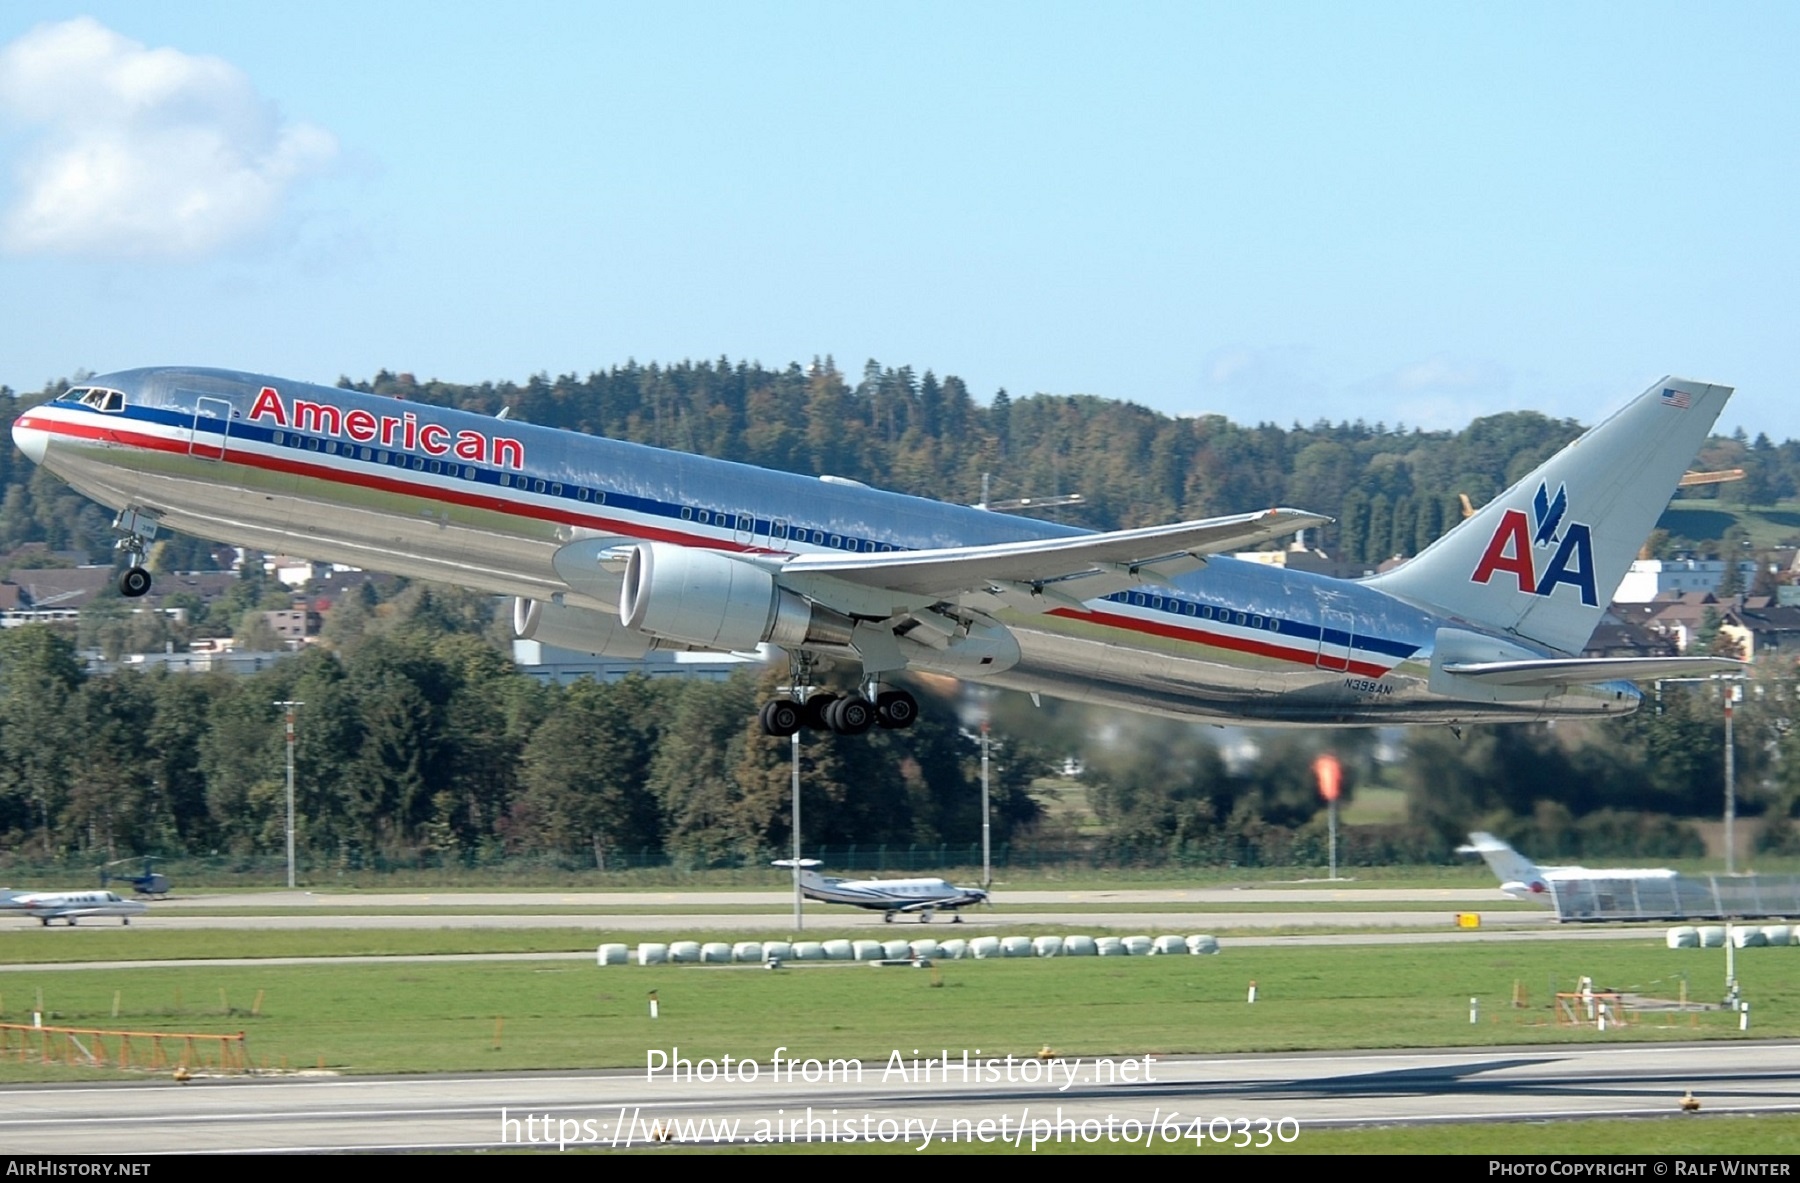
(100, 398)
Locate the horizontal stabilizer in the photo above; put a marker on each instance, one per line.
(1573, 671)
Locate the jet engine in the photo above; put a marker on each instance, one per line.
(582, 629)
(716, 601)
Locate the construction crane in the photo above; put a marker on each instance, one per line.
(1691, 479)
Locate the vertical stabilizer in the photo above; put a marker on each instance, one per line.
(1543, 559)
(1516, 872)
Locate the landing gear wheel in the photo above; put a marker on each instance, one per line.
(887, 917)
(815, 709)
(896, 710)
(134, 582)
(850, 715)
(781, 717)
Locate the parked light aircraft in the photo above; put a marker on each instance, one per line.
(616, 548)
(1522, 879)
(71, 906)
(890, 896)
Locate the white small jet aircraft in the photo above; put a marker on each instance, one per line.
(890, 896)
(45, 906)
(1522, 879)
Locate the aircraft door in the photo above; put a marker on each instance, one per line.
(212, 427)
(744, 529)
(1337, 632)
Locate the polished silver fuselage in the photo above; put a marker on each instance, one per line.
(432, 493)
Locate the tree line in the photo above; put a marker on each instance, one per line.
(420, 740)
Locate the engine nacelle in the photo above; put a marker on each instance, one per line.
(582, 629)
(718, 602)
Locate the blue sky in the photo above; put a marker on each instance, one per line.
(1419, 213)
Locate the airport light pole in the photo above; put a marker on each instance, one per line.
(987, 813)
(799, 911)
(1733, 693)
(985, 739)
(291, 706)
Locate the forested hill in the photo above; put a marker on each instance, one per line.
(1391, 489)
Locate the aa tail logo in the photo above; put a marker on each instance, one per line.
(1513, 549)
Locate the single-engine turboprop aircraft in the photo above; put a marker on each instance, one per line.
(616, 548)
(891, 897)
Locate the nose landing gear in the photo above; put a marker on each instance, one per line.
(137, 529)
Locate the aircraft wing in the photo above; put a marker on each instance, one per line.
(1566, 671)
(1055, 572)
(940, 905)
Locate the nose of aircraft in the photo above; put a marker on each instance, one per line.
(30, 440)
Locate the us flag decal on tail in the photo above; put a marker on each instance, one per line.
(1679, 399)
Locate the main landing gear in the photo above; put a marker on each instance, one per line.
(137, 528)
(843, 714)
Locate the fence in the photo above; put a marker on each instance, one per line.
(152, 1050)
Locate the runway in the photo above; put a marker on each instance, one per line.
(1185, 1100)
(824, 917)
(778, 898)
(635, 912)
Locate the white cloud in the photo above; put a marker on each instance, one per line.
(1441, 392)
(142, 153)
(1439, 373)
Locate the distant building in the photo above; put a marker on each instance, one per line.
(43, 588)
(1651, 579)
(1624, 631)
(1298, 556)
(294, 625)
(1681, 618)
(1763, 630)
(198, 660)
(547, 663)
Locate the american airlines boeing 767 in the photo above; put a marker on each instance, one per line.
(616, 549)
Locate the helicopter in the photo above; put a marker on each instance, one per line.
(150, 883)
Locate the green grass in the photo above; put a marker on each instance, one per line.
(422, 1017)
(1374, 805)
(38, 945)
(1703, 521)
(1475, 875)
(62, 946)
